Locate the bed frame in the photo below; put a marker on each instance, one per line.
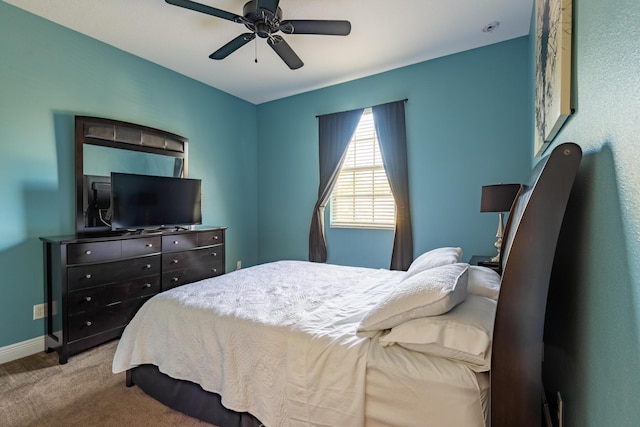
(516, 365)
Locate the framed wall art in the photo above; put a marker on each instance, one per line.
(553, 70)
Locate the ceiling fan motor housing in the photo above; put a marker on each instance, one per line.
(263, 22)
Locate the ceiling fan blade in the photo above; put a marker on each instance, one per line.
(232, 46)
(187, 4)
(285, 52)
(310, 26)
(271, 5)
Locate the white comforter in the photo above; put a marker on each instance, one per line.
(276, 340)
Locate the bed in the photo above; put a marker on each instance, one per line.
(299, 343)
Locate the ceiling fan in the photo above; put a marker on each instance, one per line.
(264, 19)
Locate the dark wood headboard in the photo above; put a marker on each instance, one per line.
(528, 251)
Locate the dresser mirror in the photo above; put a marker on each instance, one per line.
(104, 146)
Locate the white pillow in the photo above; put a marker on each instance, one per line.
(483, 281)
(434, 258)
(464, 334)
(429, 293)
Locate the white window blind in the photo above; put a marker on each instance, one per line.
(362, 197)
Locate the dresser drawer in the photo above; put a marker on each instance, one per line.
(207, 238)
(177, 278)
(110, 317)
(196, 258)
(178, 260)
(142, 246)
(80, 253)
(174, 279)
(86, 276)
(179, 242)
(210, 262)
(95, 298)
(211, 254)
(207, 269)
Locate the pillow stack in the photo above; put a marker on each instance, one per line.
(483, 282)
(441, 307)
(463, 334)
(428, 293)
(434, 258)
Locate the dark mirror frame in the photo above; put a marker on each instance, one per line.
(123, 136)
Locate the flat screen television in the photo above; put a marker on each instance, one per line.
(146, 201)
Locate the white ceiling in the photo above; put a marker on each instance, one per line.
(385, 35)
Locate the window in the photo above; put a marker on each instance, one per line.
(362, 197)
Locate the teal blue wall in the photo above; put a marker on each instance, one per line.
(592, 336)
(467, 124)
(48, 74)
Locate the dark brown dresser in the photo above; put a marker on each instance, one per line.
(94, 285)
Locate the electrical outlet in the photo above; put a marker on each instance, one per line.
(39, 311)
(238, 265)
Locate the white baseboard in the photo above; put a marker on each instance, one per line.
(21, 349)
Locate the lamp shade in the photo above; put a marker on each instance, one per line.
(498, 198)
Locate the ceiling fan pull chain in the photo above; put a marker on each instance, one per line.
(256, 50)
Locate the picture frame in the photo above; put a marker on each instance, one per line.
(553, 70)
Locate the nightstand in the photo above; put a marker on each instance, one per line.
(485, 261)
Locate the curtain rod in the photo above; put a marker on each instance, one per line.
(405, 100)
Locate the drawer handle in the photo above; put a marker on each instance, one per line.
(147, 266)
(214, 270)
(87, 299)
(174, 261)
(215, 237)
(147, 285)
(87, 323)
(174, 279)
(214, 253)
(175, 242)
(149, 245)
(87, 276)
(87, 252)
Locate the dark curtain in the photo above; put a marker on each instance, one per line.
(392, 136)
(335, 132)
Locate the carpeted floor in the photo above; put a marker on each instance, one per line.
(37, 391)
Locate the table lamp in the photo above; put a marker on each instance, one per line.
(498, 198)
